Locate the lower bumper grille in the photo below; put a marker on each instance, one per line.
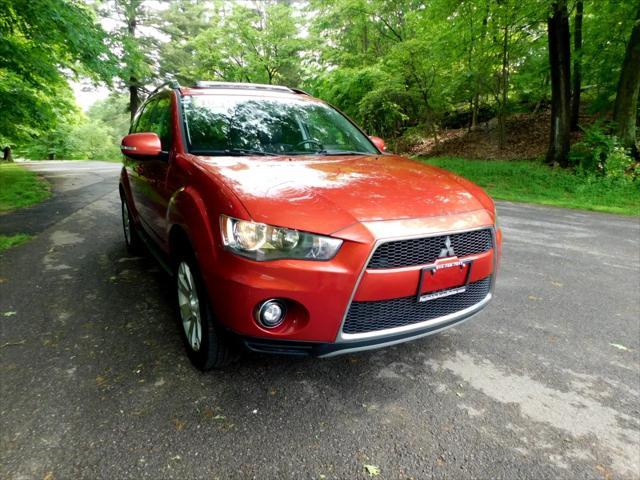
(372, 316)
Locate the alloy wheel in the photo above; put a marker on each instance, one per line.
(126, 223)
(189, 306)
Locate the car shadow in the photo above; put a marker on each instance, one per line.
(145, 356)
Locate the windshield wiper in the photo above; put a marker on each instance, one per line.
(233, 152)
(341, 152)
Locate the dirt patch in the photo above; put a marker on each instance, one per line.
(527, 136)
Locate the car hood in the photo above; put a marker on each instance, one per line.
(324, 194)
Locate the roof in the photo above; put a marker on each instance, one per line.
(237, 86)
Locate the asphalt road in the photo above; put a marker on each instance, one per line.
(545, 383)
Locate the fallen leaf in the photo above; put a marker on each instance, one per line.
(556, 284)
(372, 470)
(9, 314)
(48, 476)
(208, 413)
(619, 347)
(534, 298)
(100, 380)
(440, 460)
(604, 471)
(178, 424)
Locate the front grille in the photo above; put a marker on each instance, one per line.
(398, 312)
(422, 251)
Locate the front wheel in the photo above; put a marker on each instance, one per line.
(207, 346)
(131, 238)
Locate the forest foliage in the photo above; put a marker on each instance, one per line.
(399, 68)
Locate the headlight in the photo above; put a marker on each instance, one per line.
(261, 242)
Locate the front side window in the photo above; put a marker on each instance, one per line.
(144, 121)
(238, 124)
(162, 122)
(156, 118)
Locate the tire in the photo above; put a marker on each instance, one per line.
(131, 236)
(207, 345)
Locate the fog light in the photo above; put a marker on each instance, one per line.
(271, 313)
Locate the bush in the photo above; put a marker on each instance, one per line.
(382, 112)
(599, 153)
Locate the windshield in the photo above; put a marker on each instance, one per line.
(248, 125)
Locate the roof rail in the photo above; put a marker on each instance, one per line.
(246, 86)
(300, 91)
(171, 83)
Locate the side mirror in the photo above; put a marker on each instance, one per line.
(379, 143)
(141, 145)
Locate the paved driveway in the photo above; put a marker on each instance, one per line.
(545, 383)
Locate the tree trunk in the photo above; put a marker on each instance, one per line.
(502, 113)
(474, 112)
(626, 106)
(134, 97)
(559, 62)
(134, 94)
(6, 154)
(577, 67)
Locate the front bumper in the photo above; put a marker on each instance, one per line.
(321, 293)
(317, 349)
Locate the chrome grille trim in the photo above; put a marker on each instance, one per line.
(426, 250)
(394, 313)
(346, 337)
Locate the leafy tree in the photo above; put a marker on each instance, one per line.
(182, 22)
(42, 44)
(398, 67)
(112, 111)
(135, 48)
(78, 136)
(233, 42)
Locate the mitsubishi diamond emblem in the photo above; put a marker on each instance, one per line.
(447, 251)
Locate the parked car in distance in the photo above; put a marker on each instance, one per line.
(288, 230)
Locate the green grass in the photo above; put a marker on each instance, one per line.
(20, 187)
(8, 241)
(534, 182)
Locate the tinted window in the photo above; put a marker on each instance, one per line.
(143, 123)
(238, 124)
(162, 122)
(156, 118)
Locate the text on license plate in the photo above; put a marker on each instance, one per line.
(443, 293)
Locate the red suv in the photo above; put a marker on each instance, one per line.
(288, 230)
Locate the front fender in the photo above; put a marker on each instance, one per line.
(199, 219)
